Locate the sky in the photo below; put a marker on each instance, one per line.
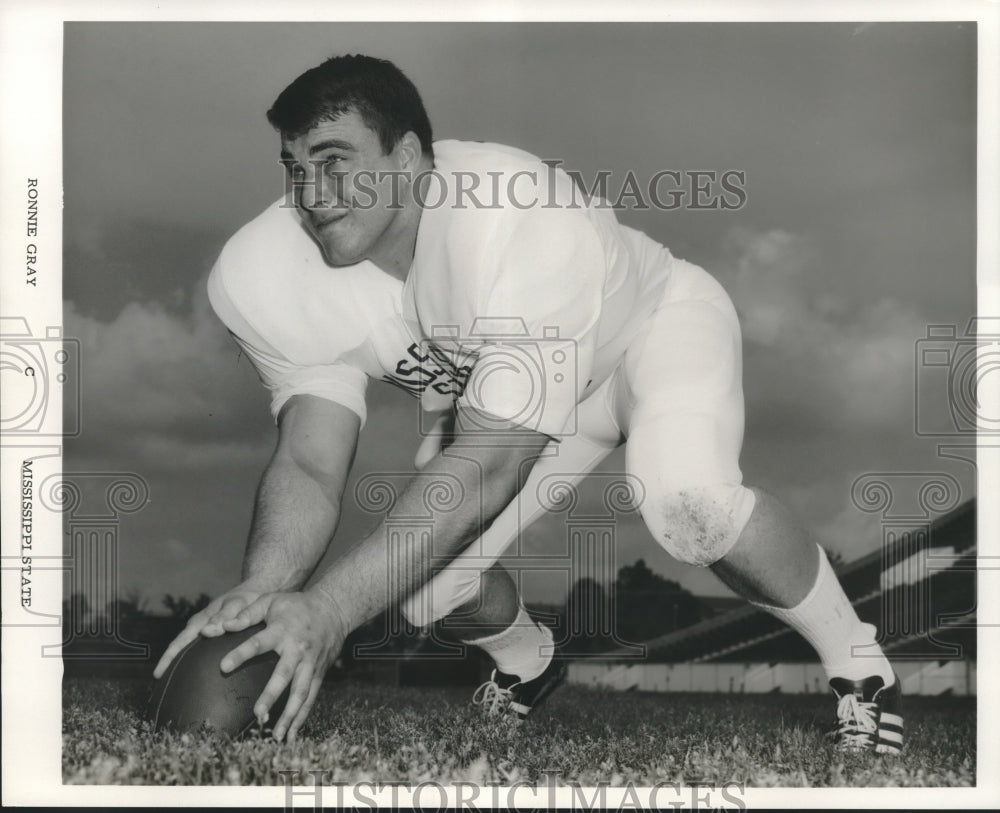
(858, 146)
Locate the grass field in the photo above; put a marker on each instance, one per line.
(379, 733)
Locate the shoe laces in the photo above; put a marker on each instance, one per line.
(492, 696)
(857, 722)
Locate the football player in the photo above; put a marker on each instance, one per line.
(474, 276)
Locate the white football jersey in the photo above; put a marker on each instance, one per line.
(307, 327)
(521, 298)
(536, 289)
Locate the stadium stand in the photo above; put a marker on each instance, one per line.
(919, 589)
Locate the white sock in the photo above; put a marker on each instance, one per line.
(523, 649)
(826, 619)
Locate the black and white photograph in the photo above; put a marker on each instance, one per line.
(500, 409)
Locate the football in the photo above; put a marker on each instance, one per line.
(194, 692)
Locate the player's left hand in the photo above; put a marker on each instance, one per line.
(307, 634)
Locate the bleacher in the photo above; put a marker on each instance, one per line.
(919, 590)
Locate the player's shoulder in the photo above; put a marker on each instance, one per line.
(489, 176)
(276, 232)
(501, 186)
(272, 260)
(488, 155)
(272, 275)
(249, 275)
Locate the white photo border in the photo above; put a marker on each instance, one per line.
(31, 81)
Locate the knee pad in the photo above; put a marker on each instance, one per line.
(447, 591)
(698, 525)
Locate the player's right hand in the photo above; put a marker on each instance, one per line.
(208, 622)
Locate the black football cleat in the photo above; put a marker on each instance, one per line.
(506, 694)
(868, 715)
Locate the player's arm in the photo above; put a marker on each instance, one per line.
(546, 255)
(487, 475)
(295, 513)
(298, 501)
(308, 629)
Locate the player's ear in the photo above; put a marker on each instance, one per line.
(410, 151)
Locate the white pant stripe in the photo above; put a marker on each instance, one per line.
(890, 736)
(890, 719)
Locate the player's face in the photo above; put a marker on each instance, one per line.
(344, 188)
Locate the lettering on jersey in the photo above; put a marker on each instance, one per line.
(429, 366)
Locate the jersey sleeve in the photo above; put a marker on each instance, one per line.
(338, 382)
(539, 322)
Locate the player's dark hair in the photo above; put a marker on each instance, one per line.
(373, 88)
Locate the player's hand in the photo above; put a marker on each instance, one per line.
(209, 621)
(306, 631)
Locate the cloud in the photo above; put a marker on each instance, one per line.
(177, 549)
(167, 390)
(829, 382)
(833, 520)
(841, 362)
